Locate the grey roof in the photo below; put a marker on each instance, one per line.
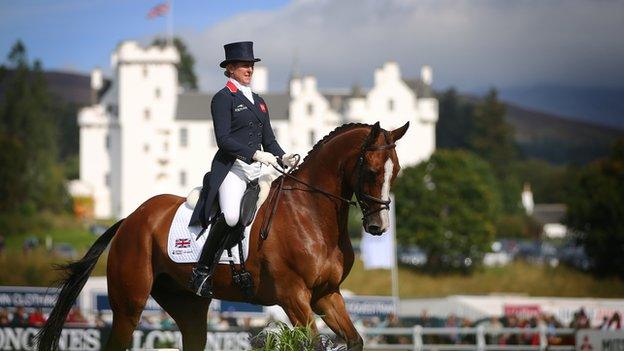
(549, 213)
(421, 89)
(196, 106)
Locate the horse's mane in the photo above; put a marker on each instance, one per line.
(338, 130)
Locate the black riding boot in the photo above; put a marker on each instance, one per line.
(201, 278)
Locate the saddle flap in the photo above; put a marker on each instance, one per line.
(249, 203)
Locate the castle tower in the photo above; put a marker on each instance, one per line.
(147, 84)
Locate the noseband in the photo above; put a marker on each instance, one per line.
(360, 195)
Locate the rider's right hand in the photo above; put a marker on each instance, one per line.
(265, 158)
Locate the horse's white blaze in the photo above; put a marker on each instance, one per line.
(385, 192)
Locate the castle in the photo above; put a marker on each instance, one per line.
(145, 136)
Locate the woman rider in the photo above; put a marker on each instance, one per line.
(245, 141)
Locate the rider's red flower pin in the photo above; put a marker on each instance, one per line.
(263, 107)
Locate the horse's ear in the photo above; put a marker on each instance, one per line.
(398, 133)
(374, 133)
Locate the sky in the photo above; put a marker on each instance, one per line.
(470, 44)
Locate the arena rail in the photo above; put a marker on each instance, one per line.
(480, 333)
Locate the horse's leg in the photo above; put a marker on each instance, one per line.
(297, 308)
(129, 276)
(129, 286)
(331, 308)
(187, 309)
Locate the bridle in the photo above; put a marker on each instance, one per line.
(360, 195)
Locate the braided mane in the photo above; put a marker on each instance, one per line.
(339, 130)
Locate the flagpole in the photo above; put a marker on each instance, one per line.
(395, 269)
(170, 23)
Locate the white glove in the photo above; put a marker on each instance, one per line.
(289, 160)
(265, 158)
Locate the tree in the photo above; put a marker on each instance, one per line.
(448, 206)
(28, 131)
(595, 211)
(455, 123)
(186, 67)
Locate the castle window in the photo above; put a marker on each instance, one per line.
(146, 148)
(146, 114)
(107, 179)
(312, 138)
(157, 93)
(183, 137)
(145, 72)
(391, 105)
(165, 146)
(182, 178)
(310, 109)
(108, 141)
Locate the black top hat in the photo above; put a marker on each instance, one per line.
(240, 51)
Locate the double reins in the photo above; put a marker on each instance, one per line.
(359, 192)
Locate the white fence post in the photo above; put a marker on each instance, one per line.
(417, 338)
(480, 338)
(543, 339)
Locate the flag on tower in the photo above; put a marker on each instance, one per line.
(158, 10)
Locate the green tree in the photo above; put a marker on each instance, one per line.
(492, 138)
(186, 67)
(596, 209)
(28, 129)
(455, 121)
(448, 206)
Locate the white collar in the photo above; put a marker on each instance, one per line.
(240, 86)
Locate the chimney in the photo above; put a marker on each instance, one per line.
(97, 81)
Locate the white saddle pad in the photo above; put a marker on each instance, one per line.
(183, 245)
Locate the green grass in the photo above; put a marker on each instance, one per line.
(516, 278)
(60, 228)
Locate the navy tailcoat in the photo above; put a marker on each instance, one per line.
(240, 128)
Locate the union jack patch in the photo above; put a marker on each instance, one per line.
(182, 243)
(263, 107)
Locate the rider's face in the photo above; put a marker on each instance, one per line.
(241, 71)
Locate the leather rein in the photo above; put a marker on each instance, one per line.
(360, 195)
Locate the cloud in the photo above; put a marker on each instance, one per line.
(469, 43)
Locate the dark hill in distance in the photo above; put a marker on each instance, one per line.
(555, 138)
(558, 139)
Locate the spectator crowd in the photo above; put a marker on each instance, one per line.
(497, 328)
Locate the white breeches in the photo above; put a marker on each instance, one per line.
(233, 187)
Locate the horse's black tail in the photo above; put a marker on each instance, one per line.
(76, 275)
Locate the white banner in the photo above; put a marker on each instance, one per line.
(599, 340)
(379, 251)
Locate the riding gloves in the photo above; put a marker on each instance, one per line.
(265, 158)
(290, 160)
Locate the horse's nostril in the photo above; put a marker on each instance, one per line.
(374, 229)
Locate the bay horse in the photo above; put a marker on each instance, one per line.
(299, 266)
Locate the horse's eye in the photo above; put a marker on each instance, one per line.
(370, 173)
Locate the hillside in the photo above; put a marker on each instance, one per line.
(558, 139)
(554, 138)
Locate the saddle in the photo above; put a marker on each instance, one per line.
(241, 277)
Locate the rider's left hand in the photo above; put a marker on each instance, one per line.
(290, 160)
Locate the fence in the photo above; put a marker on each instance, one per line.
(416, 333)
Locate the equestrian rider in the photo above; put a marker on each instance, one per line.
(246, 142)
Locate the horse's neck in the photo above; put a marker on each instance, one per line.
(328, 169)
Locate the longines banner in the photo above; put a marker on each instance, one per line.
(92, 339)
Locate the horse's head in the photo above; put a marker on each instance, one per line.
(376, 169)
